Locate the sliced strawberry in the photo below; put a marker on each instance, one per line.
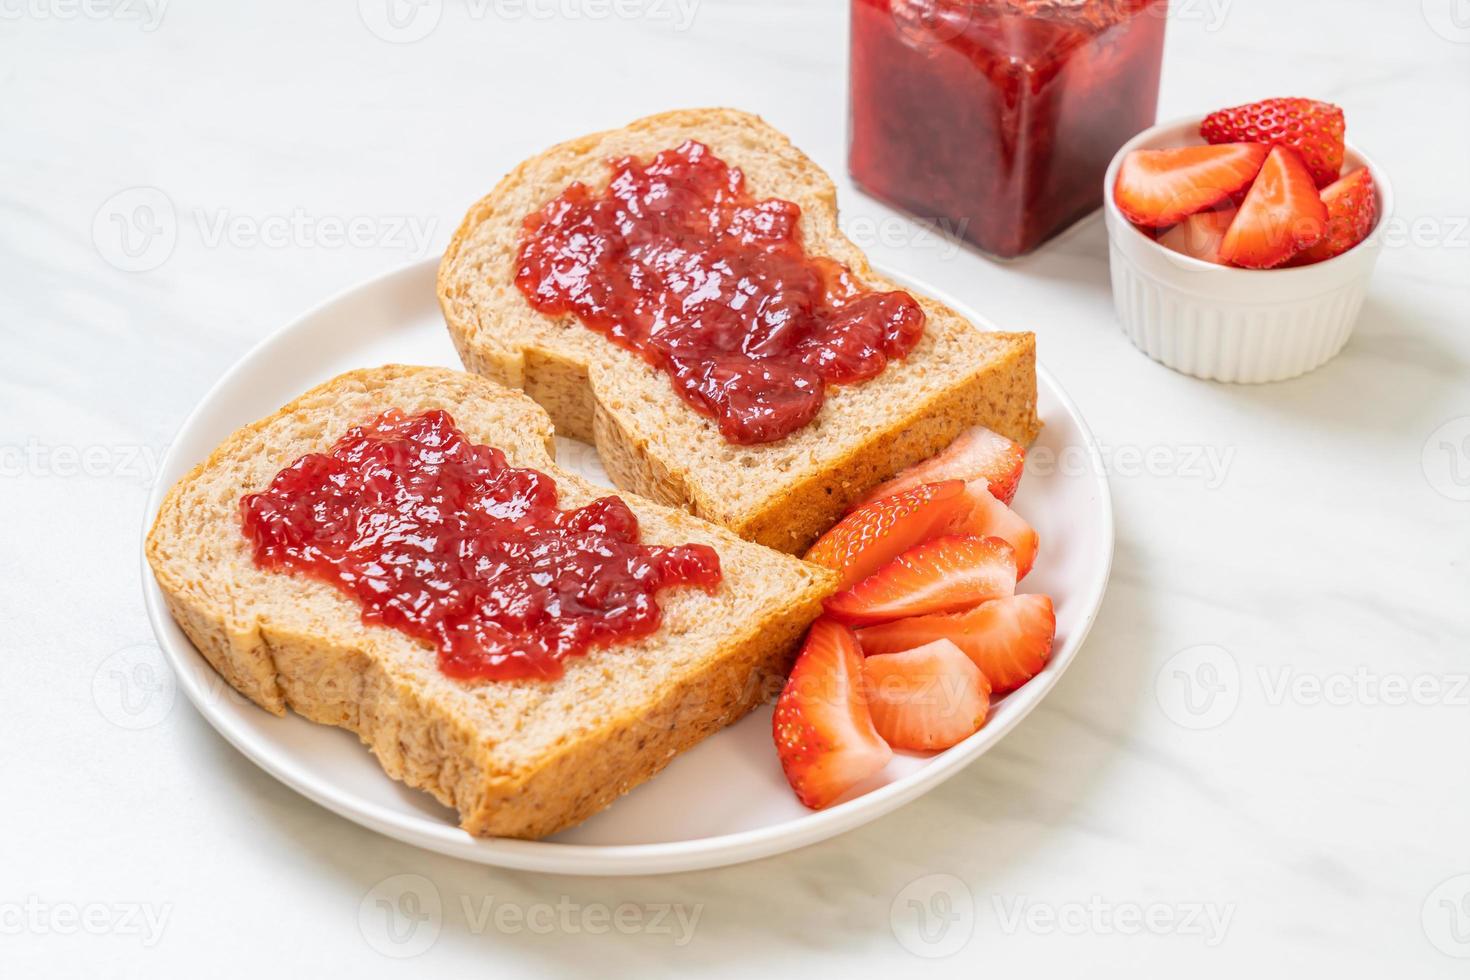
(1009, 639)
(1157, 188)
(991, 518)
(878, 532)
(824, 733)
(1281, 216)
(1352, 207)
(1311, 128)
(926, 699)
(976, 454)
(950, 573)
(1200, 235)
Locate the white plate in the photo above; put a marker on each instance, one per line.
(722, 802)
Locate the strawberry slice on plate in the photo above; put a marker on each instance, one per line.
(928, 698)
(991, 518)
(950, 573)
(878, 532)
(1200, 235)
(1311, 128)
(1280, 216)
(1158, 188)
(824, 733)
(976, 454)
(1352, 208)
(1009, 639)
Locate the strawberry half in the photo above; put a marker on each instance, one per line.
(1352, 207)
(1311, 128)
(991, 518)
(1009, 639)
(976, 454)
(1281, 216)
(878, 532)
(824, 734)
(1158, 188)
(926, 699)
(949, 573)
(1200, 235)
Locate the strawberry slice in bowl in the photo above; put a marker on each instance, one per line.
(1200, 235)
(1159, 188)
(1010, 639)
(927, 698)
(947, 574)
(1352, 210)
(822, 727)
(1281, 215)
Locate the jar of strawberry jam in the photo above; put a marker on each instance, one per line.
(996, 119)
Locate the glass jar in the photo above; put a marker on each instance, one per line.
(996, 119)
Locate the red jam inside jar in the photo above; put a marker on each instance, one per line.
(676, 261)
(443, 539)
(996, 119)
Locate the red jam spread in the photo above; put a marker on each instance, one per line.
(677, 262)
(442, 539)
(996, 119)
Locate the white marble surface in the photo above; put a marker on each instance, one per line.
(1326, 544)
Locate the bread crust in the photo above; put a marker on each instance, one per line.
(783, 494)
(515, 758)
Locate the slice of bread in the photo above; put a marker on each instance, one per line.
(782, 494)
(515, 758)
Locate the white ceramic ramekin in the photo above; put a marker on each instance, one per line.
(1226, 324)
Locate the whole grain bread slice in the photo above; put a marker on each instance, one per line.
(515, 758)
(781, 494)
